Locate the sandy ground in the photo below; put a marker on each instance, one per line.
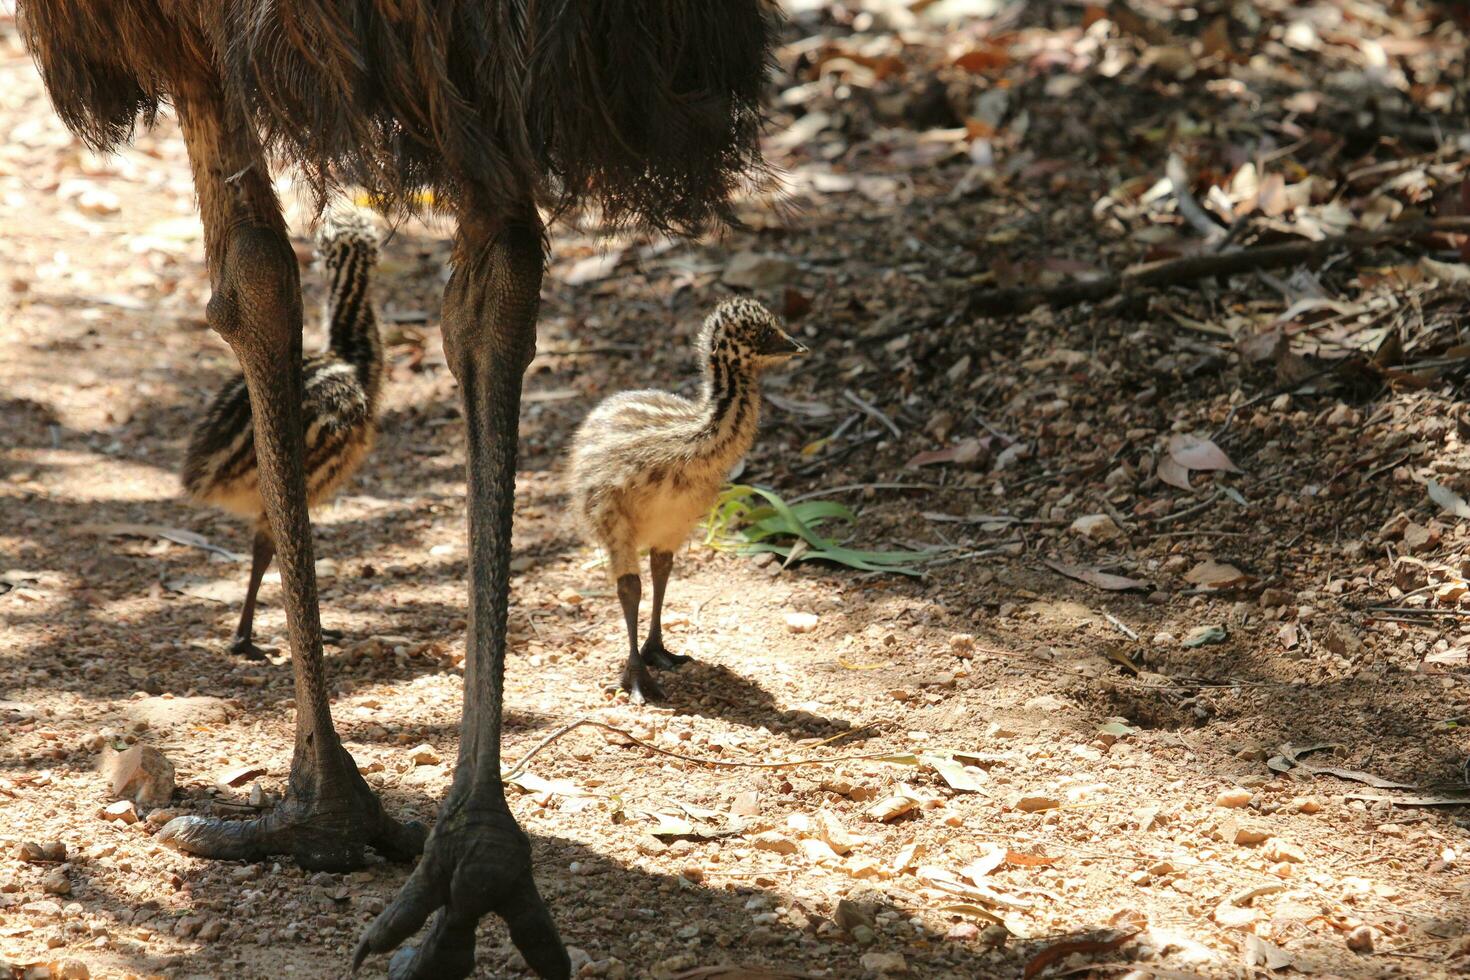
(1059, 760)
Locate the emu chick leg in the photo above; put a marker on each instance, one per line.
(636, 680)
(261, 553)
(660, 563)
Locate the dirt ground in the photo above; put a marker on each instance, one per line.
(1183, 695)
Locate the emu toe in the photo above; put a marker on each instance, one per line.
(640, 685)
(245, 648)
(655, 655)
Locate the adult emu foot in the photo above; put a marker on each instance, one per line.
(477, 860)
(245, 648)
(639, 683)
(655, 655)
(324, 826)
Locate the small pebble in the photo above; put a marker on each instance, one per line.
(801, 622)
(122, 811)
(424, 755)
(1360, 940)
(1234, 798)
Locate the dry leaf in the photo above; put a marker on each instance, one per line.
(1258, 952)
(241, 775)
(829, 828)
(174, 534)
(956, 775)
(1448, 501)
(1098, 579)
(593, 268)
(890, 809)
(906, 858)
(1185, 453)
(1172, 473)
(1212, 574)
(961, 453)
(1060, 950)
(1035, 804)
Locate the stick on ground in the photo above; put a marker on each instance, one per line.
(1191, 268)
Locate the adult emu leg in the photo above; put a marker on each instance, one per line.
(477, 859)
(329, 814)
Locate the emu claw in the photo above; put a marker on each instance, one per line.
(639, 684)
(476, 861)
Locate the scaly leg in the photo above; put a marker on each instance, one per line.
(636, 680)
(261, 553)
(477, 859)
(329, 814)
(660, 563)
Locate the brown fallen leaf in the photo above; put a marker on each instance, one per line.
(1185, 453)
(1066, 948)
(1196, 453)
(961, 453)
(241, 775)
(1258, 952)
(1213, 574)
(593, 268)
(1098, 579)
(890, 809)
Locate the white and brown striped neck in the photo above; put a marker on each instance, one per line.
(729, 404)
(352, 326)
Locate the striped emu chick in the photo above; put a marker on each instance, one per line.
(339, 408)
(646, 466)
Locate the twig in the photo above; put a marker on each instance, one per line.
(1003, 549)
(1122, 627)
(516, 770)
(1291, 388)
(1180, 515)
(1174, 272)
(874, 412)
(848, 487)
(1412, 611)
(1189, 208)
(841, 454)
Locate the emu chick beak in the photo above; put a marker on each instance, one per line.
(783, 345)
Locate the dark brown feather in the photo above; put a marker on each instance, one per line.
(644, 109)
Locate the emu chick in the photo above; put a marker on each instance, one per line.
(339, 408)
(646, 466)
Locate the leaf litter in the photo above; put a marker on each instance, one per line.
(919, 140)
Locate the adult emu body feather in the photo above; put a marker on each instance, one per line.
(496, 110)
(647, 109)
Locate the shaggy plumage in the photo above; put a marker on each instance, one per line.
(646, 466)
(645, 109)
